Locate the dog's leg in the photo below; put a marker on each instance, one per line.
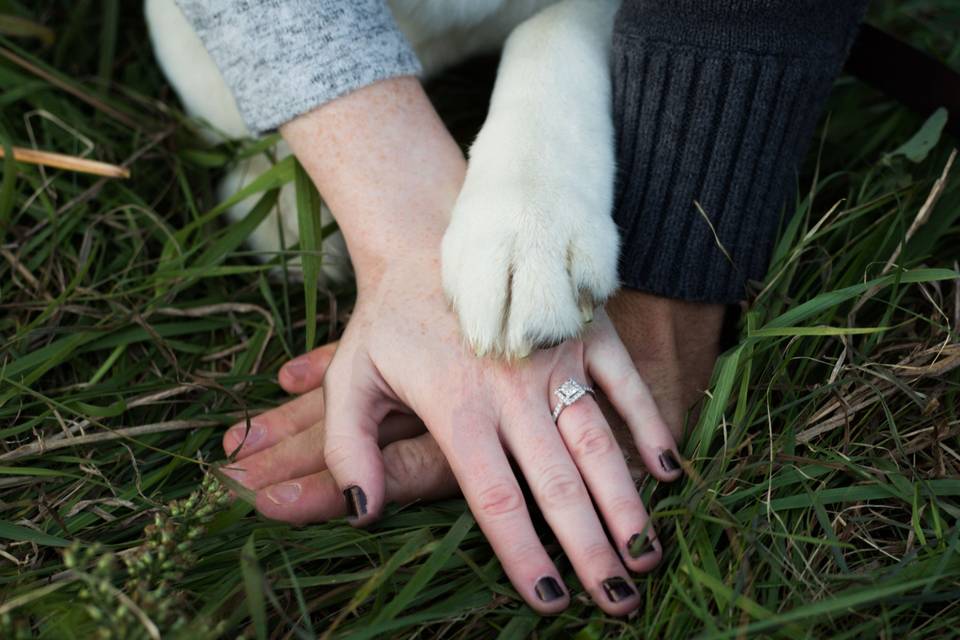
(191, 71)
(531, 247)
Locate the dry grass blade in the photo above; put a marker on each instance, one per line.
(42, 447)
(924, 213)
(68, 163)
(933, 362)
(93, 101)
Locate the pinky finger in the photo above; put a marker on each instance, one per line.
(611, 367)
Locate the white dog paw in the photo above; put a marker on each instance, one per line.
(524, 271)
(531, 248)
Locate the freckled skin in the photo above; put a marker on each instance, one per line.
(378, 175)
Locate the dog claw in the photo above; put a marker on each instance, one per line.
(586, 312)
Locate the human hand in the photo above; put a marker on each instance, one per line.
(674, 345)
(481, 412)
(280, 456)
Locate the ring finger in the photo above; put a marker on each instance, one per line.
(594, 450)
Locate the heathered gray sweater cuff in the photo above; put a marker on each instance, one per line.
(282, 58)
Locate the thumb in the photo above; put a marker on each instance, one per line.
(305, 373)
(350, 448)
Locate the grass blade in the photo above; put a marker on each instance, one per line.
(253, 584)
(311, 244)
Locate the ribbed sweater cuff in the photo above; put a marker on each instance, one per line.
(704, 123)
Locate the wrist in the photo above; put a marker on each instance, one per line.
(386, 167)
(658, 328)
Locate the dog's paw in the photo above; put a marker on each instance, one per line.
(531, 248)
(525, 268)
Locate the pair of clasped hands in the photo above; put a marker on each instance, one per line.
(407, 412)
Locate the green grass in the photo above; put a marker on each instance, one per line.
(826, 495)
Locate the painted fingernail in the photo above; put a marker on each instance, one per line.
(240, 434)
(284, 493)
(548, 589)
(356, 501)
(618, 589)
(668, 462)
(639, 544)
(297, 368)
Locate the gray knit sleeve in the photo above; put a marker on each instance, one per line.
(282, 58)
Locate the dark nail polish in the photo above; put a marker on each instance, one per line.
(548, 589)
(639, 544)
(356, 501)
(618, 589)
(668, 462)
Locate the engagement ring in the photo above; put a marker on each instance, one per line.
(568, 393)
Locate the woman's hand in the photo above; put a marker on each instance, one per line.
(402, 349)
(282, 461)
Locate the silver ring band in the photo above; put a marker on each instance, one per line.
(568, 393)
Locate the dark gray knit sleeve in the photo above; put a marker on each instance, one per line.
(715, 103)
(282, 58)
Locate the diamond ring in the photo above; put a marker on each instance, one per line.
(568, 393)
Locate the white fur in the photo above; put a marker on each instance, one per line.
(531, 247)
(191, 71)
(195, 77)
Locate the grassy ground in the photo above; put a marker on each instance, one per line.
(133, 328)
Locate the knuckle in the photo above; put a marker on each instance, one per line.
(525, 555)
(600, 557)
(499, 499)
(593, 441)
(623, 506)
(407, 460)
(338, 453)
(560, 487)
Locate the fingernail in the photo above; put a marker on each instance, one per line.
(235, 474)
(239, 434)
(356, 501)
(639, 544)
(297, 368)
(548, 589)
(284, 493)
(618, 589)
(668, 462)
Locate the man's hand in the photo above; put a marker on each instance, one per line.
(279, 455)
(674, 345)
